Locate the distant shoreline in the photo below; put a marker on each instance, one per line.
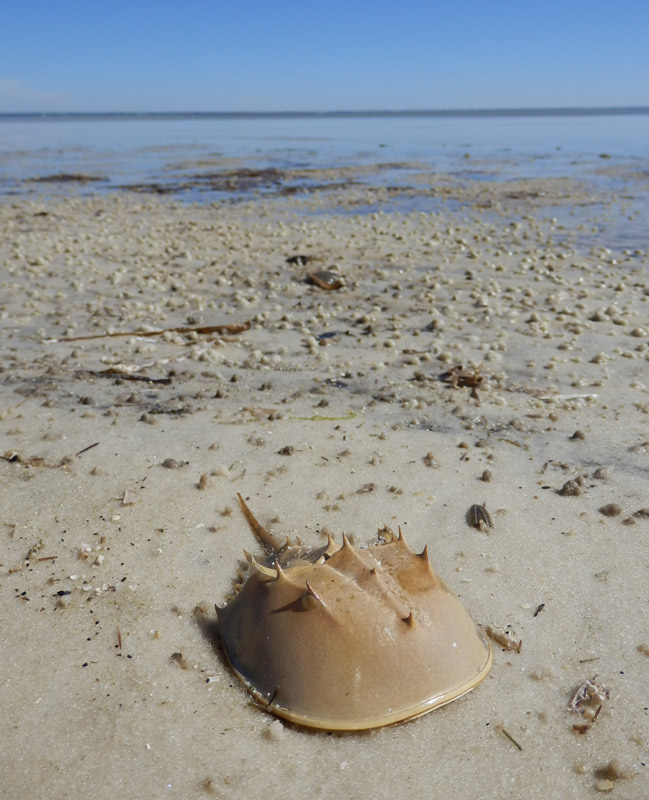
(50, 116)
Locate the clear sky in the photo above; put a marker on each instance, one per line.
(234, 55)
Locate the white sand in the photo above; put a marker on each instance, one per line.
(109, 546)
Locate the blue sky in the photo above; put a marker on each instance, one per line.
(59, 55)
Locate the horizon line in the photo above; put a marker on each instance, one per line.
(420, 112)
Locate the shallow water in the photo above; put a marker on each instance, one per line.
(177, 154)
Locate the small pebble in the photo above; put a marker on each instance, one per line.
(429, 460)
(569, 489)
(276, 732)
(179, 658)
(610, 510)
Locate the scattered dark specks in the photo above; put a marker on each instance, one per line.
(366, 488)
(288, 450)
(569, 489)
(610, 510)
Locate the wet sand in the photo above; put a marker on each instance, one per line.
(340, 411)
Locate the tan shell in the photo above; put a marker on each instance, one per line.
(345, 638)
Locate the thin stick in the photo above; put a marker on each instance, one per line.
(205, 329)
(85, 449)
(25, 398)
(511, 738)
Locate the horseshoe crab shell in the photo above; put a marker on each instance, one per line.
(344, 638)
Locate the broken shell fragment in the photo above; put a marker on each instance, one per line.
(344, 638)
(477, 515)
(326, 279)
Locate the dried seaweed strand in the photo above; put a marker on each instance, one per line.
(126, 376)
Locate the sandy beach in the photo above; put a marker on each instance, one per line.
(160, 357)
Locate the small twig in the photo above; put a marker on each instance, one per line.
(24, 400)
(539, 608)
(85, 449)
(46, 558)
(204, 329)
(588, 660)
(511, 738)
(119, 638)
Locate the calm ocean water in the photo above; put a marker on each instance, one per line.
(609, 149)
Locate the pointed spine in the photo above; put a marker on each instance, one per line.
(267, 539)
(332, 547)
(349, 550)
(402, 540)
(265, 573)
(281, 575)
(311, 599)
(409, 620)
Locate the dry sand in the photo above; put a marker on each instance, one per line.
(123, 457)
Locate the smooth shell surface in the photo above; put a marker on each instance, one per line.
(345, 638)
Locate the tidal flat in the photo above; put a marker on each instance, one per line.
(159, 357)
